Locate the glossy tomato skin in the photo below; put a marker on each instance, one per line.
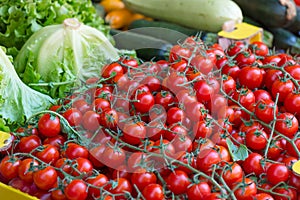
(287, 124)
(178, 182)
(144, 102)
(45, 178)
(251, 77)
(264, 110)
(123, 185)
(113, 72)
(277, 173)
(153, 192)
(141, 178)
(263, 196)
(29, 143)
(292, 103)
(206, 159)
(74, 151)
(99, 181)
(233, 172)
(198, 191)
(49, 126)
(256, 139)
(246, 192)
(134, 133)
(91, 120)
(283, 88)
(259, 48)
(9, 167)
(252, 164)
(76, 190)
(49, 154)
(73, 116)
(23, 170)
(83, 166)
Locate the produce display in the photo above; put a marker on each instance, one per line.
(125, 100)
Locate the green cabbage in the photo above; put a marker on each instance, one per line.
(19, 19)
(17, 100)
(58, 57)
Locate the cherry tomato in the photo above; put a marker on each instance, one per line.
(244, 58)
(175, 115)
(144, 102)
(164, 98)
(203, 64)
(73, 116)
(251, 77)
(45, 178)
(153, 192)
(231, 69)
(228, 84)
(198, 191)
(9, 167)
(113, 157)
(76, 190)
(204, 91)
(49, 126)
(74, 151)
(178, 52)
(277, 173)
(63, 164)
(141, 178)
(235, 48)
(24, 169)
(292, 103)
(287, 124)
(247, 191)
(91, 120)
(134, 133)
(259, 48)
(83, 166)
(57, 141)
(48, 154)
(109, 118)
(283, 88)
(113, 72)
(261, 95)
(289, 194)
(99, 181)
(256, 139)
(178, 182)
(253, 164)
(29, 143)
(123, 185)
(233, 172)
(245, 97)
(206, 159)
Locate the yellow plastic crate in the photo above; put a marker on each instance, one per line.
(10, 193)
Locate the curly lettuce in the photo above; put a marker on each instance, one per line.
(19, 19)
(17, 101)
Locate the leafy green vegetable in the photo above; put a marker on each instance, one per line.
(237, 153)
(19, 19)
(17, 100)
(57, 57)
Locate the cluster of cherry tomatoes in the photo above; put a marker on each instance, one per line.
(204, 124)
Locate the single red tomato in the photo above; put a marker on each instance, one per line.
(74, 151)
(122, 185)
(287, 124)
(141, 178)
(277, 173)
(98, 181)
(253, 164)
(73, 116)
(251, 77)
(259, 48)
(49, 125)
(26, 169)
(45, 178)
(76, 190)
(247, 191)
(153, 192)
(198, 191)
(48, 154)
(29, 143)
(9, 166)
(178, 182)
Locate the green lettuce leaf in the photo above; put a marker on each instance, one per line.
(17, 101)
(19, 19)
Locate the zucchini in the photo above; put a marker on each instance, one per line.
(169, 32)
(208, 15)
(146, 47)
(295, 26)
(285, 40)
(270, 13)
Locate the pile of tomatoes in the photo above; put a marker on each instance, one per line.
(205, 124)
